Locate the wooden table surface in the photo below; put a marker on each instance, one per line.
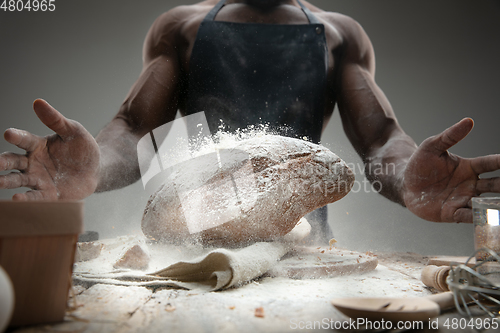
(268, 304)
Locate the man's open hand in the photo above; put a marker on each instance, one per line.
(438, 186)
(63, 165)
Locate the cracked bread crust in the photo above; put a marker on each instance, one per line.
(258, 198)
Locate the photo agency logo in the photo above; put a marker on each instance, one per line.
(315, 178)
(375, 170)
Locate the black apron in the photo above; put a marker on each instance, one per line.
(248, 74)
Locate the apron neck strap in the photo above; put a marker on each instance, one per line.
(211, 15)
(312, 19)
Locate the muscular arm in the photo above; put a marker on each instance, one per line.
(151, 102)
(367, 116)
(70, 164)
(430, 181)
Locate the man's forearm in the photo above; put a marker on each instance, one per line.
(385, 166)
(119, 166)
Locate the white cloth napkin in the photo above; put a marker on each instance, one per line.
(219, 269)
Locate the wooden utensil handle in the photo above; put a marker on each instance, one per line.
(444, 300)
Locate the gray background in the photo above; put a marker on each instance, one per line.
(437, 61)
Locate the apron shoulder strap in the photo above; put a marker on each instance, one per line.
(310, 16)
(211, 14)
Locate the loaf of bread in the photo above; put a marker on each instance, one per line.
(256, 190)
